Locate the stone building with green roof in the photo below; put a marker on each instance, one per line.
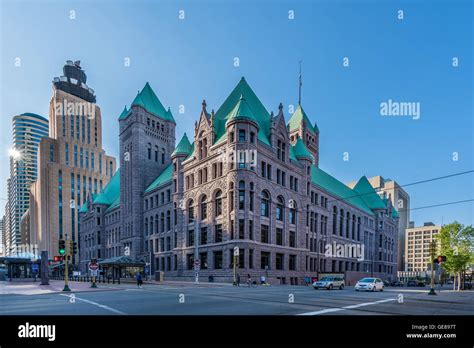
(246, 179)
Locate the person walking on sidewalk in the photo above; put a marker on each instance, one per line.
(139, 280)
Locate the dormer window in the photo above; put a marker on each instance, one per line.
(281, 150)
(202, 146)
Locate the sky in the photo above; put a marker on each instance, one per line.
(403, 57)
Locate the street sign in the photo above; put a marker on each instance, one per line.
(93, 267)
(197, 265)
(236, 251)
(34, 268)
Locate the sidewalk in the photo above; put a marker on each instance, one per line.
(177, 283)
(55, 286)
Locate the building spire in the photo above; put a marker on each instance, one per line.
(299, 87)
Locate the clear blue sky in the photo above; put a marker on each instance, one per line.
(191, 59)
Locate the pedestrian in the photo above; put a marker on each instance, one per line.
(238, 279)
(139, 280)
(262, 280)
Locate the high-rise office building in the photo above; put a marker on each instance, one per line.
(72, 163)
(417, 246)
(28, 130)
(2, 236)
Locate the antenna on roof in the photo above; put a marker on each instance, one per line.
(299, 87)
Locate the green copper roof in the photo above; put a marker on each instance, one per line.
(184, 147)
(124, 113)
(84, 208)
(259, 112)
(301, 150)
(241, 111)
(148, 100)
(114, 204)
(368, 194)
(337, 188)
(110, 192)
(292, 153)
(298, 117)
(163, 178)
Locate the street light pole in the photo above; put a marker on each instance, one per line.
(432, 255)
(66, 261)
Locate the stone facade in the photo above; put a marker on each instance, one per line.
(249, 181)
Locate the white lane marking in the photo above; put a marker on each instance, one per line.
(95, 304)
(348, 307)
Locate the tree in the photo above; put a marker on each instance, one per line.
(456, 242)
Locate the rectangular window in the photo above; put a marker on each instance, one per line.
(81, 158)
(265, 260)
(292, 263)
(63, 117)
(217, 259)
(67, 153)
(279, 236)
(190, 261)
(283, 178)
(252, 137)
(250, 258)
(241, 135)
(269, 172)
(293, 239)
(241, 229)
(264, 234)
(100, 163)
(264, 169)
(279, 261)
(190, 238)
(92, 160)
(87, 159)
(51, 152)
(88, 131)
(251, 229)
(203, 258)
(218, 233)
(71, 125)
(203, 235)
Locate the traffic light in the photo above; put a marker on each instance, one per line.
(62, 246)
(74, 248)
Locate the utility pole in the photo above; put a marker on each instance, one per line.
(432, 256)
(66, 261)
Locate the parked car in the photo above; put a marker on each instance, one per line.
(397, 283)
(467, 285)
(386, 283)
(329, 283)
(369, 284)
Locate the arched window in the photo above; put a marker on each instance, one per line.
(334, 220)
(292, 214)
(218, 203)
(280, 207)
(341, 222)
(348, 224)
(191, 211)
(241, 195)
(163, 152)
(358, 228)
(265, 204)
(156, 153)
(203, 205)
(353, 226)
(149, 150)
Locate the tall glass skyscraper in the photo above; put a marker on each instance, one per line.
(28, 130)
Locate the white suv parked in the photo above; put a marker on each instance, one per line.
(329, 283)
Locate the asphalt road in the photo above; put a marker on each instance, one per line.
(227, 300)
